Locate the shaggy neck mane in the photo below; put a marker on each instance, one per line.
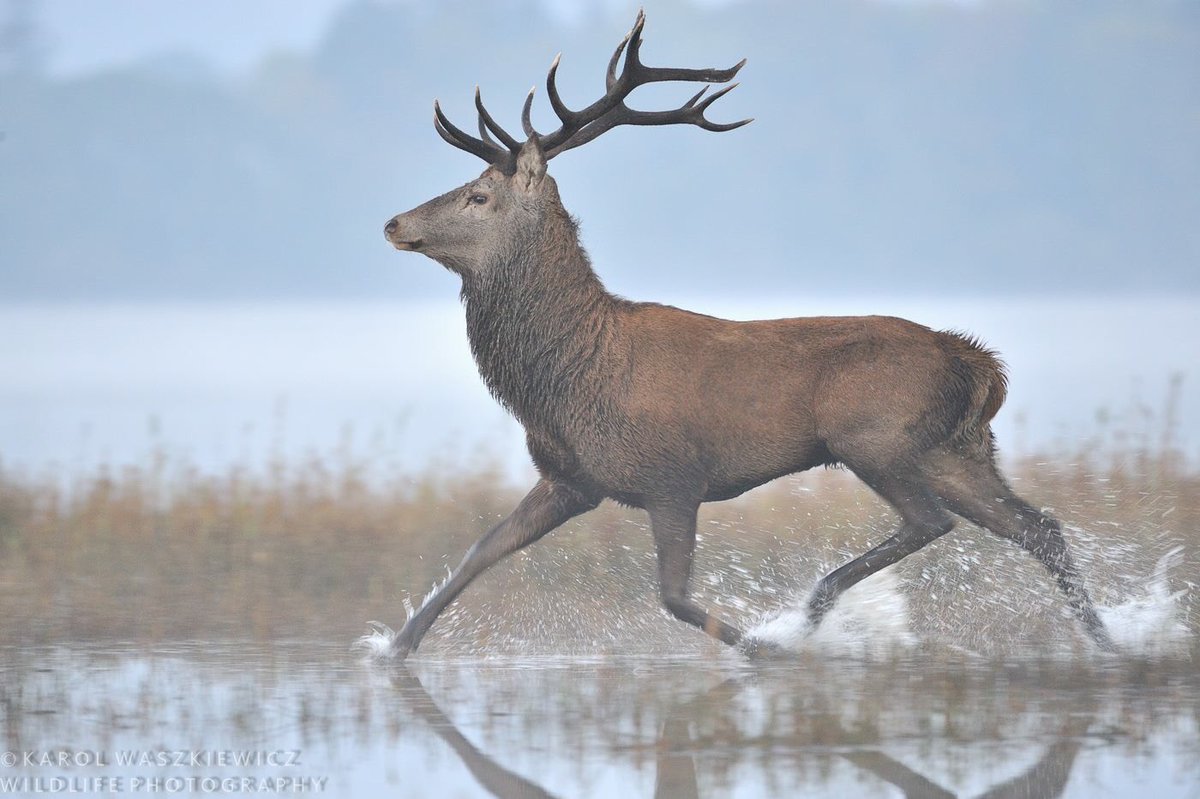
(539, 322)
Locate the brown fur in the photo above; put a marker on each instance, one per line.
(663, 409)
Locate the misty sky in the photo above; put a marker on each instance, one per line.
(933, 162)
(232, 35)
(84, 35)
(919, 146)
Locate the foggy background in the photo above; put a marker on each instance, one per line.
(192, 198)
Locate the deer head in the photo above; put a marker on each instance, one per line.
(496, 215)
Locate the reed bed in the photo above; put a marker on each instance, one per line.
(163, 551)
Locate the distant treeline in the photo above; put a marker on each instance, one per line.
(899, 147)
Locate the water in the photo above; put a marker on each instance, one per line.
(224, 384)
(885, 699)
(869, 704)
(950, 675)
(875, 619)
(222, 718)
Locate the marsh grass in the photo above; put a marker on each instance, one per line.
(161, 551)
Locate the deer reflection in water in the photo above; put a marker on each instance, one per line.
(678, 746)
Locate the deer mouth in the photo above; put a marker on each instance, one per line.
(413, 245)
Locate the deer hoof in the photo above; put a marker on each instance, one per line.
(758, 649)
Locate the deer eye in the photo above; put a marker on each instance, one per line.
(478, 199)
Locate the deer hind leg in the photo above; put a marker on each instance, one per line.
(923, 521)
(971, 486)
(674, 528)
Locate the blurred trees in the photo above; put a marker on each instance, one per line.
(982, 148)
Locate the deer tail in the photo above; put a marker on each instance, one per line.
(983, 375)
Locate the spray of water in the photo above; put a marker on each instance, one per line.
(1152, 624)
(377, 643)
(869, 620)
(872, 620)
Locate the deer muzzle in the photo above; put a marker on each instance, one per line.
(397, 237)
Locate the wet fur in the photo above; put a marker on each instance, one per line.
(664, 409)
(629, 399)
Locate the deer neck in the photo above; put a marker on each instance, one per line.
(540, 325)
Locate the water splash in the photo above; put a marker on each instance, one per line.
(377, 643)
(869, 620)
(410, 611)
(1151, 625)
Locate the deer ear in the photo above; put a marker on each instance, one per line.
(531, 165)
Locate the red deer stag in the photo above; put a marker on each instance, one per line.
(663, 409)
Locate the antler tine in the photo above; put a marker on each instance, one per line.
(584, 125)
(483, 131)
(647, 74)
(526, 123)
(580, 127)
(565, 114)
(696, 97)
(610, 77)
(488, 151)
(484, 135)
(486, 122)
(690, 113)
(718, 127)
(635, 73)
(635, 43)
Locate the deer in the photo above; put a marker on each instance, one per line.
(663, 409)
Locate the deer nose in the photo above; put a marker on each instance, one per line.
(390, 227)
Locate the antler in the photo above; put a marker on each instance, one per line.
(580, 127)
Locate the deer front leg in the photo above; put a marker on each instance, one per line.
(674, 527)
(547, 506)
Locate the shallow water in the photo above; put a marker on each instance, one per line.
(315, 716)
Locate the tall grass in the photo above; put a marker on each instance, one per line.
(163, 551)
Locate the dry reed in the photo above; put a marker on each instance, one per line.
(163, 551)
